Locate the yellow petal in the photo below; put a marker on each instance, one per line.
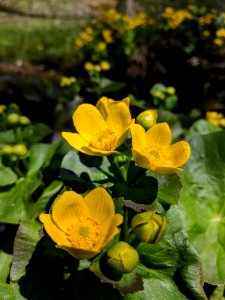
(79, 253)
(56, 234)
(138, 137)
(67, 208)
(113, 230)
(119, 117)
(77, 142)
(142, 158)
(159, 134)
(166, 170)
(100, 205)
(108, 232)
(178, 153)
(98, 152)
(102, 105)
(88, 121)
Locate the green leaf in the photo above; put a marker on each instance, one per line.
(202, 203)
(169, 187)
(14, 202)
(25, 243)
(201, 127)
(84, 169)
(5, 263)
(35, 133)
(40, 156)
(6, 292)
(46, 195)
(156, 284)
(175, 257)
(7, 176)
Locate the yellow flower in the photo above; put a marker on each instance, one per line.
(206, 33)
(67, 81)
(89, 66)
(105, 65)
(152, 149)
(214, 117)
(218, 41)
(82, 226)
(101, 128)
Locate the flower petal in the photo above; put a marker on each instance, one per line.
(142, 158)
(88, 121)
(67, 208)
(138, 137)
(178, 153)
(103, 105)
(101, 205)
(166, 170)
(79, 253)
(159, 134)
(56, 234)
(77, 142)
(112, 230)
(119, 117)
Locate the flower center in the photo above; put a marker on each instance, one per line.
(84, 233)
(157, 157)
(103, 140)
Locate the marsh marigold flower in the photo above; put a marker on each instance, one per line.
(153, 150)
(82, 226)
(101, 128)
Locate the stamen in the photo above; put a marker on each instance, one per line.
(84, 233)
(103, 140)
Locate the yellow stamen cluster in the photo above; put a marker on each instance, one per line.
(84, 233)
(103, 140)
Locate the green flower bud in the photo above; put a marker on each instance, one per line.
(120, 259)
(20, 149)
(24, 120)
(7, 149)
(13, 118)
(170, 90)
(148, 226)
(147, 118)
(2, 108)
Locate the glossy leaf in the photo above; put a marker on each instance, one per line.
(202, 203)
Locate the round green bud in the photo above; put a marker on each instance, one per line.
(24, 120)
(7, 149)
(120, 259)
(13, 118)
(20, 149)
(149, 227)
(2, 108)
(147, 118)
(170, 90)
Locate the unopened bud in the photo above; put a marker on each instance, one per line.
(171, 90)
(149, 227)
(24, 120)
(120, 259)
(147, 118)
(7, 149)
(20, 149)
(13, 118)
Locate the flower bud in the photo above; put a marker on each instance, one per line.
(13, 118)
(147, 118)
(24, 120)
(120, 259)
(2, 108)
(171, 90)
(20, 149)
(7, 149)
(148, 226)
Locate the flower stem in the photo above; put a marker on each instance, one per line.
(116, 168)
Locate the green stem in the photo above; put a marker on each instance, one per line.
(125, 226)
(116, 169)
